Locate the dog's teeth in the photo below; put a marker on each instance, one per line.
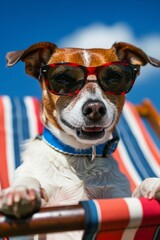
(92, 129)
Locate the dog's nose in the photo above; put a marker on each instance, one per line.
(94, 110)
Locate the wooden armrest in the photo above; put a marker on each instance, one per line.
(47, 220)
(147, 110)
(93, 216)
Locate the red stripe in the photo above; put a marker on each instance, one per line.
(37, 113)
(111, 235)
(114, 214)
(123, 168)
(3, 156)
(150, 221)
(148, 139)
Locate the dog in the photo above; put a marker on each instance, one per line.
(83, 93)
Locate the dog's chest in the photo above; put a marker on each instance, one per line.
(77, 179)
(69, 179)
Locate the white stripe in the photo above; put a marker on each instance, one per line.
(128, 163)
(33, 128)
(9, 137)
(129, 116)
(136, 214)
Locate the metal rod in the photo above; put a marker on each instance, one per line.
(47, 220)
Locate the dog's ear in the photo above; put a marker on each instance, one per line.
(130, 53)
(34, 57)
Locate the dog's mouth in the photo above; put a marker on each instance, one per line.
(87, 133)
(90, 133)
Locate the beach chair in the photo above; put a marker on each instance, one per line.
(138, 156)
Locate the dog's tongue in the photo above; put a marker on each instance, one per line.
(92, 129)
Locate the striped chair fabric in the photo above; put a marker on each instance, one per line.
(19, 120)
(122, 219)
(137, 154)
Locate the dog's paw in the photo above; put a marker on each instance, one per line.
(149, 188)
(19, 201)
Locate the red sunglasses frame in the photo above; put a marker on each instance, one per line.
(88, 71)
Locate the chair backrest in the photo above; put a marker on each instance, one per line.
(137, 154)
(19, 120)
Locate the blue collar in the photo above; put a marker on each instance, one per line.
(104, 149)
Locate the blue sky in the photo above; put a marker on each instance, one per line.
(79, 24)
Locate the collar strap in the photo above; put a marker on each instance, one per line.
(104, 149)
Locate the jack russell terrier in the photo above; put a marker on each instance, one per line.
(83, 93)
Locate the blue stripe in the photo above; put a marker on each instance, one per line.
(20, 126)
(91, 220)
(25, 121)
(15, 133)
(134, 151)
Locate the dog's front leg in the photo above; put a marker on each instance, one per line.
(149, 188)
(22, 198)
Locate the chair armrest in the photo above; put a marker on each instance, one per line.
(105, 217)
(146, 109)
(47, 220)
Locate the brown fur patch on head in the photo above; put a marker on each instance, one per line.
(49, 106)
(118, 101)
(76, 55)
(67, 55)
(101, 56)
(63, 102)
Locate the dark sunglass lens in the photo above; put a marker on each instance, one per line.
(65, 79)
(116, 79)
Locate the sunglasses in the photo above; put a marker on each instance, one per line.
(67, 79)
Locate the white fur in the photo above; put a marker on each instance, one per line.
(149, 188)
(73, 115)
(86, 57)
